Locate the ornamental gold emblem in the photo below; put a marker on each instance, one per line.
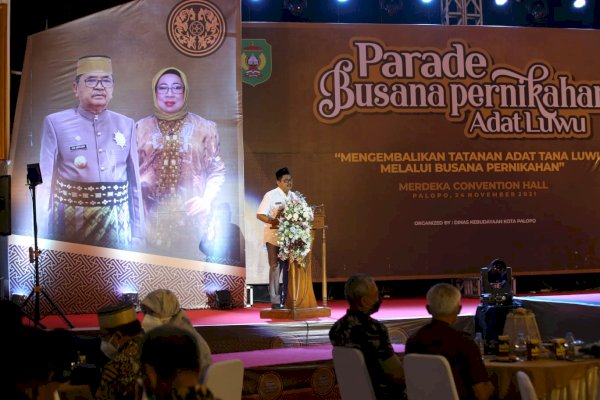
(196, 28)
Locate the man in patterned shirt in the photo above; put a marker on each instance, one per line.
(121, 333)
(358, 330)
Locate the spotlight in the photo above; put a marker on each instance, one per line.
(537, 11)
(391, 7)
(34, 175)
(18, 299)
(496, 283)
(224, 300)
(579, 3)
(295, 7)
(501, 2)
(131, 298)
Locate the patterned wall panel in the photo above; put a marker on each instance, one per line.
(79, 283)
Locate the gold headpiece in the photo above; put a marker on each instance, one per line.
(113, 316)
(89, 64)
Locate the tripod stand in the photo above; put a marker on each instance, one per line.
(34, 178)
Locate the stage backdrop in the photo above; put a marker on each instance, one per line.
(201, 38)
(434, 149)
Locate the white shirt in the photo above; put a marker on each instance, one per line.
(272, 202)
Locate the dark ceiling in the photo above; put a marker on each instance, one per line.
(49, 14)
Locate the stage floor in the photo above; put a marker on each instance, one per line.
(242, 329)
(390, 309)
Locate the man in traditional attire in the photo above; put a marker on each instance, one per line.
(181, 168)
(121, 335)
(89, 164)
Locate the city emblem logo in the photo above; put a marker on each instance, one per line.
(256, 61)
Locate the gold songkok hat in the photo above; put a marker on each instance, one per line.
(114, 316)
(89, 64)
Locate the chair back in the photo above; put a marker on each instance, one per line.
(429, 377)
(225, 379)
(526, 387)
(352, 375)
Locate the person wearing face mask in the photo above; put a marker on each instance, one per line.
(439, 337)
(357, 329)
(121, 334)
(181, 169)
(161, 307)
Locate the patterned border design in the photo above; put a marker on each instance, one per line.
(80, 284)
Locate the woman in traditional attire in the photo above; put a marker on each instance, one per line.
(181, 170)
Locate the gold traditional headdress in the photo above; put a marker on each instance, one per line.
(114, 316)
(89, 64)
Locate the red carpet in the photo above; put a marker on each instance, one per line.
(391, 309)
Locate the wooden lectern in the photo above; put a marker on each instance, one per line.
(300, 301)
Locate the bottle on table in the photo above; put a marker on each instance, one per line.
(533, 349)
(559, 348)
(520, 347)
(480, 342)
(503, 347)
(570, 346)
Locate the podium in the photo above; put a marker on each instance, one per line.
(300, 301)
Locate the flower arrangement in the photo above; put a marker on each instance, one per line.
(295, 221)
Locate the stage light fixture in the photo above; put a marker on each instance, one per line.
(501, 2)
(496, 283)
(579, 3)
(391, 7)
(18, 299)
(34, 175)
(131, 298)
(224, 300)
(537, 11)
(295, 7)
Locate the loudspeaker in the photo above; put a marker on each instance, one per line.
(34, 175)
(5, 217)
(223, 299)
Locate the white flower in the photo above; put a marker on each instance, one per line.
(294, 230)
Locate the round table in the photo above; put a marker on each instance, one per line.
(552, 379)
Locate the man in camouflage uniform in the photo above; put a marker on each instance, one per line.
(358, 330)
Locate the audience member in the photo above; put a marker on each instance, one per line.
(28, 369)
(11, 316)
(161, 307)
(171, 365)
(359, 330)
(121, 334)
(439, 337)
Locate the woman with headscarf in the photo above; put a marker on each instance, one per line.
(181, 170)
(161, 307)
